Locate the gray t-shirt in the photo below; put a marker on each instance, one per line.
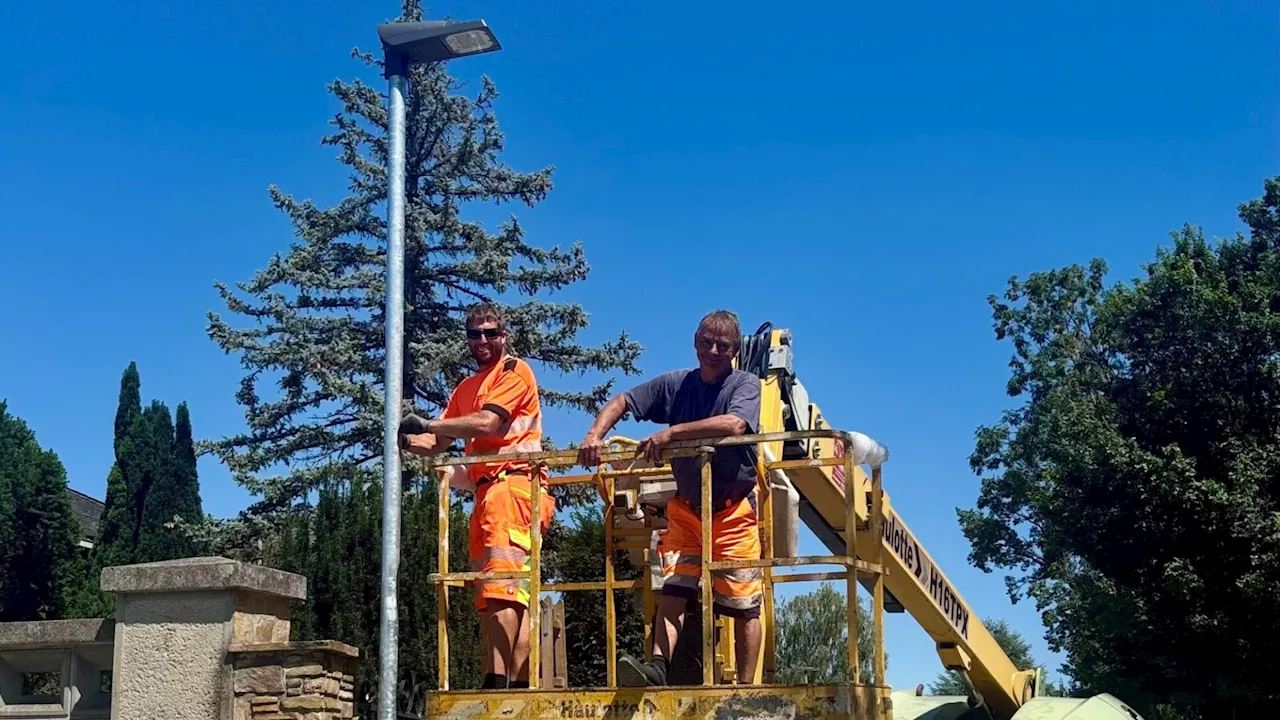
(680, 397)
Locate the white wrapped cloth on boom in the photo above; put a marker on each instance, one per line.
(867, 451)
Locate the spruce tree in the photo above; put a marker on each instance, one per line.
(309, 328)
(38, 560)
(316, 319)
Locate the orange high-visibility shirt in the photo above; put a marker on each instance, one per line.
(508, 389)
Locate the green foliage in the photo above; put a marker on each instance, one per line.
(1133, 493)
(1009, 640)
(309, 329)
(812, 638)
(118, 528)
(170, 485)
(115, 535)
(576, 554)
(336, 544)
(39, 568)
(152, 483)
(313, 344)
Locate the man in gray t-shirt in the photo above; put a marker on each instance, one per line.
(714, 400)
(683, 396)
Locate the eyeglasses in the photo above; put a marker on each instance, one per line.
(490, 333)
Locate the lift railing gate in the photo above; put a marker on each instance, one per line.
(688, 448)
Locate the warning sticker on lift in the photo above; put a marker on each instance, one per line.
(907, 548)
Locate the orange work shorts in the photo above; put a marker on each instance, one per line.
(735, 535)
(499, 536)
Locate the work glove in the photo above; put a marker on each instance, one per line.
(410, 425)
(413, 425)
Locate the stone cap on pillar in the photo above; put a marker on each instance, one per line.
(202, 573)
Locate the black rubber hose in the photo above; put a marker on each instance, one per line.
(753, 357)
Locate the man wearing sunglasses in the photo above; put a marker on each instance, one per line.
(713, 400)
(495, 411)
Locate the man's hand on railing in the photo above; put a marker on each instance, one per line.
(589, 451)
(652, 446)
(589, 456)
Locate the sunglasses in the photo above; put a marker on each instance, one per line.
(490, 333)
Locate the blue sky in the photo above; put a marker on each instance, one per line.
(861, 174)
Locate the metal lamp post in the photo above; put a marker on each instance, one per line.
(404, 44)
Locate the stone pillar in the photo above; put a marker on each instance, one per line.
(176, 620)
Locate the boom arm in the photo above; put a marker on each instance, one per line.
(917, 585)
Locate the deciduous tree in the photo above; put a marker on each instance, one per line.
(1133, 492)
(812, 638)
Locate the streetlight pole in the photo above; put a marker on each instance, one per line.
(404, 44)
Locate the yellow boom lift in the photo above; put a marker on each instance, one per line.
(808, 473)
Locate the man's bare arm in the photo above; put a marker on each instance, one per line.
(608, 417)
(479, 423)
(717, 426)
(432, 437)
(593, 442)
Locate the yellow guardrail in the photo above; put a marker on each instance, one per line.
(605, 480)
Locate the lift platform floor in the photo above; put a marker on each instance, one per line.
(724, 702)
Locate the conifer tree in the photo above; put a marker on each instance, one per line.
(38, 564)
(188, 505)
(152, 482)
(6, 523)
(153, 435)
(309, 329)
(577, 555)
(115, 542)
(336, 544)
(167, 488)
(316, 329)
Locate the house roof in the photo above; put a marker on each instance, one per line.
(88, 512)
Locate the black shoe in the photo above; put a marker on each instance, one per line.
(633, 673)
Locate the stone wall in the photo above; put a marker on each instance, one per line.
(294, 680)
(193, 639)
